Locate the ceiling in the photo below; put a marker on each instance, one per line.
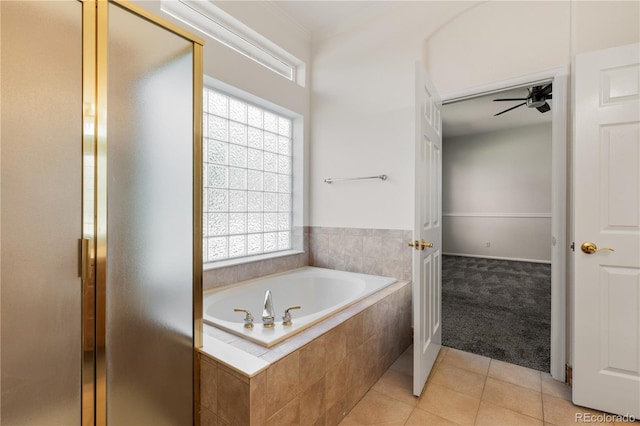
(323, 18)
(473, 116)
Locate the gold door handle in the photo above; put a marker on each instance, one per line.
(420, 245)
(590, 248)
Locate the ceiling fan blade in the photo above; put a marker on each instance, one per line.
(544, 108)
(507, 110)
(509, 99)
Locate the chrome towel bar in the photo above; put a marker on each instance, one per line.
(381, 177)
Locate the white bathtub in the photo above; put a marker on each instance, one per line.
(319, 292)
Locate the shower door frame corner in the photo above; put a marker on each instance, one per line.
(95, 142)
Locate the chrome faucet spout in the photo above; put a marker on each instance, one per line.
(268, 313)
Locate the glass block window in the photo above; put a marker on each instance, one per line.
(247, 179)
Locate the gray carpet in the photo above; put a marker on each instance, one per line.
(497, 308)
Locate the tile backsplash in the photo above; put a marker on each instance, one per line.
(370, 251)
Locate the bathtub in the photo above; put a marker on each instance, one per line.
(320, 293)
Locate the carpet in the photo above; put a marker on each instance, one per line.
(498, 308)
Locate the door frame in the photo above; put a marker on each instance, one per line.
(96, 37)
(559, 230)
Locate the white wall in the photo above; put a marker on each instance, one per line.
(502, 40)
(497, 190)
(363, 83)
(497, 41)
(362, 117)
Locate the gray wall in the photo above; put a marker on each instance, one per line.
(497, 191)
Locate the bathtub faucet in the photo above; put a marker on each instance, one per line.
(268, 313)
(248, 318)
(286, 318)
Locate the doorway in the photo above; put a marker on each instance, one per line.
(553, 238)
(496, 177)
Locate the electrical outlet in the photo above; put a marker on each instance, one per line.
(488, 244)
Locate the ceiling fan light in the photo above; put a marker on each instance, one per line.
(544, 107)
(535, 104)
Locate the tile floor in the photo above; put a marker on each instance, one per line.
(466, 389)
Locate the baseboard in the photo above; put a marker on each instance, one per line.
(514, 259)
(501, 215)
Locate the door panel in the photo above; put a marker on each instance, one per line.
(606, 370)
(620, 294)
(427, 261)
(619, 167)
(41, 212)
(149, 273)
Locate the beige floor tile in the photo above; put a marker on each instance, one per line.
(561, 412)
(349, 421)
(472, 362)
(432, 373)
(396, 385)
(521, 376)
(422, 418)
(442, 353)
(554, 387)
(375, 409)
(516, 398)
(493, 415)
(404, 363)
(459, 380)
(449, 404)
(504, 395)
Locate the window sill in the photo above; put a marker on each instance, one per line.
(243, 260)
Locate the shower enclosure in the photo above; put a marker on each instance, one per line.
(100, 213)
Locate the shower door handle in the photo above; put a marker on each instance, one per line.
(85, 261)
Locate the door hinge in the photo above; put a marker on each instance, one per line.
(85, 263)
(573, 246)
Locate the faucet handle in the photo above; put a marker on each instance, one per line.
(286, 319)
(248, 318)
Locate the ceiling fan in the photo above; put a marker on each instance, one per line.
(537, 99)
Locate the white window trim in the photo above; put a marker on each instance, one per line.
(221, 26)
(217, 264)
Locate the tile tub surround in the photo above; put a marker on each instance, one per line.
(369, 251)
(316, 376)
(381, 252)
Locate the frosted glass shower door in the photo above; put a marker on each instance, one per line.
(145, 356)
(41, 208)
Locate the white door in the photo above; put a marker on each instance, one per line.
(606, 367)
(427, 259)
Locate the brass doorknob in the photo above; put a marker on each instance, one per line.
(420, 245)
(590, 248)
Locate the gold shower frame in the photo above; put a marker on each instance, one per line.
(94, 209)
